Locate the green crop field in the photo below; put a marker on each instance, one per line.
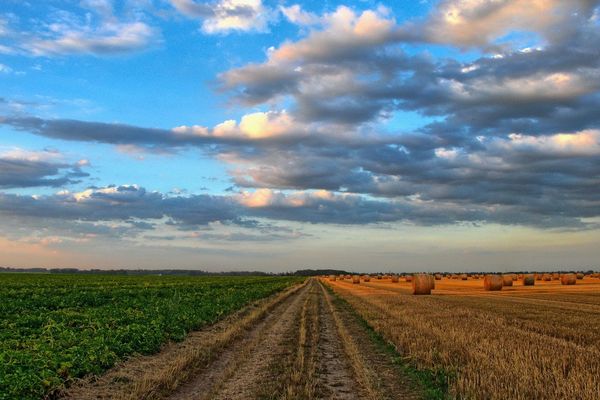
(55, 327)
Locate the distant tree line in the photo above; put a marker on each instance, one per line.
(194, 272)
(123, 271)
(186, 272)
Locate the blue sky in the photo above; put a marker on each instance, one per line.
(238, 134)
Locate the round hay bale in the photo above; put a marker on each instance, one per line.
(547, 277)
(493, 282)
(367, 278)
(579, 275)
(454, 276)
(528, 280)
(555, 276)
(395, 279)
(464, 277)
(421, 284)
(568, 279)
(409, 278)
(538, 277)
(355, 279)
(516, 277)
(507, 280)
(332, 278)
(438, 277)
(379, 277)
(432, 281)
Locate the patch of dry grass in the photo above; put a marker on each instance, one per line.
(302, 379)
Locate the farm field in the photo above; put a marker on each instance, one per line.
(55, 328)
(523, 342)
(183, 338)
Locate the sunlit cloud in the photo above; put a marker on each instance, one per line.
(226, 16)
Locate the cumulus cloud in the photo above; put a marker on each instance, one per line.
(320, 72)
(345, 35)
(258, 126)
(542, 180)
(482, 23)
(225, 16)
(579, 144)
(296, 15)
(23, 169)
(95, 29)
(189, 213)
(119, 203)
(108, 39)
(352, 69)
(129, 210)
(335, 80)
(495, 179)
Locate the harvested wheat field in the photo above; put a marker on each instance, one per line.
(520, 342)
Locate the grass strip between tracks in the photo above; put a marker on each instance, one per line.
(433, 384)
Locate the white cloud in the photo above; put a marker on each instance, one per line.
(583, 143)
(107, 39)
(534, 87)
(224, 16)
(101, 7)
(238, 15)
(263, 125)
(17, 153)
(481, 22)
(344, 30)
(113, 193)
(296, 15)
(449, 154)
(301, 198)
(94, 29)
(5, 69)
(258, 125)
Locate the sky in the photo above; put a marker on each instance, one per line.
(273, 135)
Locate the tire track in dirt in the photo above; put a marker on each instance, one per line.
(241, 369)
(336, 379)
(373, 369)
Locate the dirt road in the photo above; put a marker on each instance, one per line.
(304, 345)
(306, 348)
